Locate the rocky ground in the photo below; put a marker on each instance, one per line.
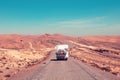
(100, 53)
(18, 51)
(12, 61)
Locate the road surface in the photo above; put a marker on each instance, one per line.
(72, 69)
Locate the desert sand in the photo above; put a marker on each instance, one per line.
(23, 51)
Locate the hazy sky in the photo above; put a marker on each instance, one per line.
(70, 17)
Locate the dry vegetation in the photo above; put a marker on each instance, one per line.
(18, 52)
(100, 53)
(12, 61)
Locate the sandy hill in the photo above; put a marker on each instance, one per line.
(15, 41)
(103, 38)
(23, 51)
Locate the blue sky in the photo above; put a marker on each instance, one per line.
(69, 17)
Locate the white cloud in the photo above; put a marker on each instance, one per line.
(91, 26)
(97, 21)
(81, 21)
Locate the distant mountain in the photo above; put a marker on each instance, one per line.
(15, 41)
(115, 39)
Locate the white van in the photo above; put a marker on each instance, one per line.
(62, 52)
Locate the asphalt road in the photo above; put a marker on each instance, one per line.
(71, 69)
